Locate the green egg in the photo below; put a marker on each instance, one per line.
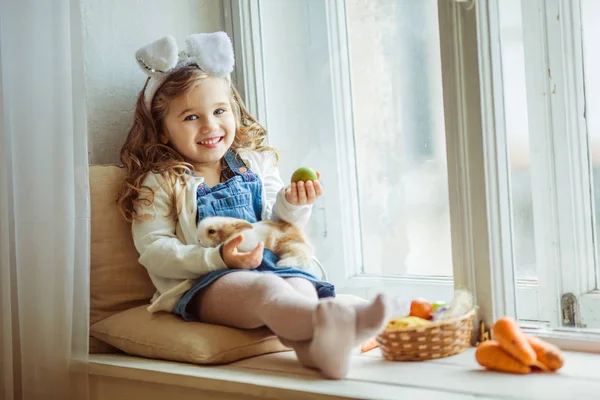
(304, 174)
(438, 304)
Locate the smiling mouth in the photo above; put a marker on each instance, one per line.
(210, 141)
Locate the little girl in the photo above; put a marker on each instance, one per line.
(194, 151)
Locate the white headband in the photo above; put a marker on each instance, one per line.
(212, 52)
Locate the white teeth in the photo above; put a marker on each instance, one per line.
(211, 141)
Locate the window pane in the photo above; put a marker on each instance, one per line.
(549, 184)
(515, 108)
(590, 15)
(399, 136)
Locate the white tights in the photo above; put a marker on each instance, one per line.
(322, 332)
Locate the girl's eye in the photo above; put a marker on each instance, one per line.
(219, 111)
(191, 118)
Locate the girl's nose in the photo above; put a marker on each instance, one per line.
(209, 125)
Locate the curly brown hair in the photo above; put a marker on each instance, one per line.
(143, 153)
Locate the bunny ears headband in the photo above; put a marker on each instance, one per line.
(212, 52)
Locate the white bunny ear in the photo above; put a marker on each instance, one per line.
(159, 56)
(212, 51)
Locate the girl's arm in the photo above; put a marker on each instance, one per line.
(277, 205)
(161, 252)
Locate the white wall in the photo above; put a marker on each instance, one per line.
(113, 31)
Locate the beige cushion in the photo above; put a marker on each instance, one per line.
(117, 281)
(168, 337)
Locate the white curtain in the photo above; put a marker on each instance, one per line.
(44, 202)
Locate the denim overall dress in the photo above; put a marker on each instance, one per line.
(240, 197)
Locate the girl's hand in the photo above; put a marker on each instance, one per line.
(234, 259)
(302, 193)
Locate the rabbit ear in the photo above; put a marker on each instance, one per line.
(242, 226)
(213, 52)
(158, 57)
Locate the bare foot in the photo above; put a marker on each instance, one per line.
(333, 339)
(371, 318)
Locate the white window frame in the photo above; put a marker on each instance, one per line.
(556, 99)
(242, 23)
(472, 116)
(556, 106)
(480, 209)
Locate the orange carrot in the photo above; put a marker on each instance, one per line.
(506, 331)
(491, 355)
(547, 353)
(369, 345)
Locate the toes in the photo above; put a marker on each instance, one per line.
(372, 318)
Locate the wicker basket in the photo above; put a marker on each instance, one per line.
(436, 340)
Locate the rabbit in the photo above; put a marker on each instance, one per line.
(285, 240)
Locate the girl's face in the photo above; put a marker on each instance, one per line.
(200, 124)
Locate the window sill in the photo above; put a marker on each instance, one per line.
(280, 376)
